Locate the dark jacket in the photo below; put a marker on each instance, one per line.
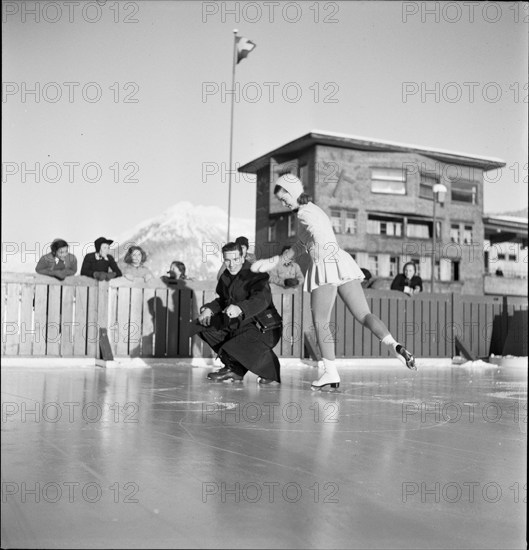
(400, 281)
(91, 264)
(240, 338)
(49, 266)
(248, 290)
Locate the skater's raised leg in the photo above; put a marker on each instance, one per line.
(354, 298)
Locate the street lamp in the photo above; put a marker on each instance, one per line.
(439, 192)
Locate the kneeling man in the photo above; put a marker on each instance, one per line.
(230, 326)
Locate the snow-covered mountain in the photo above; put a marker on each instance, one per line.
(192, 234)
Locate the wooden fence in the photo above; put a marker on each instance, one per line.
(43, 317)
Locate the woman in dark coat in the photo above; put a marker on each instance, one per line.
(229, 323)
(100, 264)
(407, 281)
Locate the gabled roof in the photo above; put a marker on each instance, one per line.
(319, 137)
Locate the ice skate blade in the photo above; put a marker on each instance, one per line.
(333, 386)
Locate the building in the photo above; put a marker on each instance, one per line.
(505, 255)
(379, 196)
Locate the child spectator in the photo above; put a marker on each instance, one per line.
(176, 273)
(100, 264)
(59, 263)
(133, 267)
(288, 274)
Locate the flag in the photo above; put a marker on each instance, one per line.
(244, 47)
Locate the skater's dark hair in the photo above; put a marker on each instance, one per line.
(304, 198)
(232, 247)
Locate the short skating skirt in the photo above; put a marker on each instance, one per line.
(335, 270)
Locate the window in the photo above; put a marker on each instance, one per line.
(501, 256)
(454, 271)
(467, 235)
(372, 263)
(336, 220)
(418, 229)
(454, 233)
(464, 192)
(426, 186)
(384, 225)
(343, 221)
(437, 270)
(272, 233)
(393, 266)
(512, 257)
(390, 181)
(350, 223)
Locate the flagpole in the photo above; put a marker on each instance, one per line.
(231, 127)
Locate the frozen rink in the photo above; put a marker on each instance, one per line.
(159, 457)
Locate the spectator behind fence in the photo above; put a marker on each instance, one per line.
(59, 263)
(176, 273)
(100, 264)
(367, 282)
(407, 281)
(288, 274)
(245, 245)
(133, 265)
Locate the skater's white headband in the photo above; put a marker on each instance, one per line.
(291, 184)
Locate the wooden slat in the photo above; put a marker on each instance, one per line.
(135, 320)
(416, 344)
(39, 320)
(173, 313)
(27, 329)
(12, 322)
(81, 330)
(53, 332)
(184, 321)
(92, 339)
(123, 320)
(160, 325)
(147, 339)
(385, 316)
(113, 326)
(68, 294)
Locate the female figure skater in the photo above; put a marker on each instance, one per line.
(331, 270)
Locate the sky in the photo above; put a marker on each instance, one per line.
(122, 109)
